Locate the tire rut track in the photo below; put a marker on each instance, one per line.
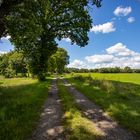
(103, 122)
(50, 126)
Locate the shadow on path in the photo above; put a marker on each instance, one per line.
(49, 127)
(103, 123)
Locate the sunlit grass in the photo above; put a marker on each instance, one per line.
(122, 77)
(78, 127)
(21, 101)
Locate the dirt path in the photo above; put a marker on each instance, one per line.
(103, 123)
(49, 127)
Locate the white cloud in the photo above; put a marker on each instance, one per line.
(66, 39)
(137, 58)
(103, 28)
(77, 64)
(131, 19)
(120, 50)
(2, 52)
(122, 11)
(6, 38)
(117, 55)
(100, 58)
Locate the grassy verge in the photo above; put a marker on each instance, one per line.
(120, 99)
(78, 127)
(21, 100)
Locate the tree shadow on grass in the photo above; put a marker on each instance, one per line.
(20, 107)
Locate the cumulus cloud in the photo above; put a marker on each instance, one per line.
(103, 28)
(100, 58)
(122, 11)
(120, 49)
(117, 55)
(131, 19)
(77, 64)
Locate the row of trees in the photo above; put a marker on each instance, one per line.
(104, 70)
(15, 64)
(35, 25)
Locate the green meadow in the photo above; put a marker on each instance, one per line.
(122, 77)
(21, 101)
(117, 94)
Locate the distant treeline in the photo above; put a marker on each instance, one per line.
(103, 70)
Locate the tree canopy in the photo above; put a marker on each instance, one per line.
(15, 64)
(7, 6)
(35, 25)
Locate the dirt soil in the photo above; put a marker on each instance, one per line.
(50, 127)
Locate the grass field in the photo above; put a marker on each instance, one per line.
(76, 125)
(117, 94)
(122, 77)
(21, 101)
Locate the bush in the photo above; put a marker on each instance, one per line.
(78, 77)
(41, 77)
(107, 86)
(89, 80)
(9, 73)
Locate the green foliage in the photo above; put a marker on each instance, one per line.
(8, 6)
(128, 70)
(78, 77)
(58, 61)
(34, 27)
(103, 70)
(21, 101)
(9, 73)
(13, 63)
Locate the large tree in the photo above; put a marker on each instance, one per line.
(35, 26)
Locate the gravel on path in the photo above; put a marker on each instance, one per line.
(50, 126)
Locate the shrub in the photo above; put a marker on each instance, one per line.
(79, 78)
(89, 80)
(41, 77)
(9, 73)
(107, 86)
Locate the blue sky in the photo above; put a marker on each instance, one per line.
(114, 37)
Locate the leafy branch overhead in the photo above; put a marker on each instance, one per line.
(7, 6)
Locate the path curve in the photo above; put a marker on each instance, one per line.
(103, 122)
(50, 127)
